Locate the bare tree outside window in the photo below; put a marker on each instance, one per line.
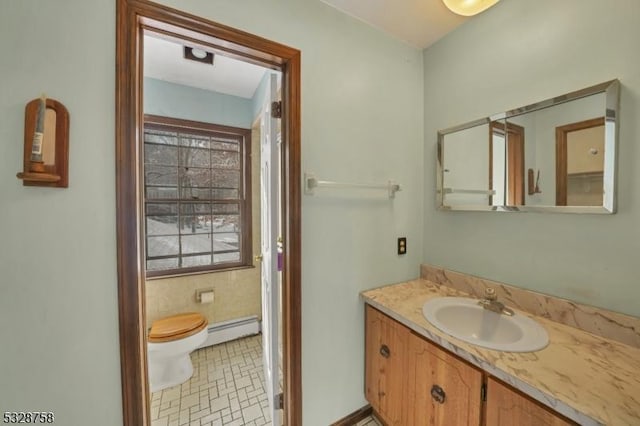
(197, 196)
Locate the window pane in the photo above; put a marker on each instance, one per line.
(161, 175)
(194, 184)
(226, 257)
(225, 194)
(225, 159)
(162, 208)
(162, 225)
(231, 224)
(216, 223)
(162, 264)
(225, 144)
(162, 246)
(160, 154)
(161, 137)
(195, 157)
(195, 176)
(225, 178)
(225, 208)
(226, 241)
(189, 261)
(194, 224)
(159, 192)
(196, 243)
(191, 193)
(195, 208)
(194, 141)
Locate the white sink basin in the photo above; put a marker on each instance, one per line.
(464, 319)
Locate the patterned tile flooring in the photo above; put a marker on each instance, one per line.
(226, 389)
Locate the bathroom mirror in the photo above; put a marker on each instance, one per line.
(558, 155)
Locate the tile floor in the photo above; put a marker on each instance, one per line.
(226, 389)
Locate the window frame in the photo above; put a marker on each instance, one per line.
(244, 199)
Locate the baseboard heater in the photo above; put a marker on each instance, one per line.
(225, 331)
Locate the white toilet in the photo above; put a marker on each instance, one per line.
(170, 342)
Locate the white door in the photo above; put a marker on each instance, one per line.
(269, 219)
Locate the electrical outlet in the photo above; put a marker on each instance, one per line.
(402, 245)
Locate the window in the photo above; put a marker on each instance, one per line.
(197, 196)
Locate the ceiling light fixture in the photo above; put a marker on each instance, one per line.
(469, 7)
(198, 55)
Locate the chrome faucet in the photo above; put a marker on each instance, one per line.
(491, 303)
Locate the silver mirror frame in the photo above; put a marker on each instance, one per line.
(609, 203)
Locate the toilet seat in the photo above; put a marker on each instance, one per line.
(176, 327)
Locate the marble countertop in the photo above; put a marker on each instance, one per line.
(587, 378)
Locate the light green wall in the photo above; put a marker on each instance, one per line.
(58, 304)
(362, 119)
(517, 53)
(362, 106)
(190, 103)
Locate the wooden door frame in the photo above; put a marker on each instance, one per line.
(562, 154)
(515, 191)
(132, 16)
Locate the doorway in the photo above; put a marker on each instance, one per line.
(506, 164)
(134, 19)
(580, 163)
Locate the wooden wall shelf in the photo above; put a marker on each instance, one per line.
(38, 177)
(54, 170)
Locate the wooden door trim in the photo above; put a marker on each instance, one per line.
(514, 129)
(515, 151)
(561, 154)
(131, 17)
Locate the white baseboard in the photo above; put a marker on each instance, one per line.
(230, 330)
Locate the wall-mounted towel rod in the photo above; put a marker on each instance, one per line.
(469, 191)
(311, 182)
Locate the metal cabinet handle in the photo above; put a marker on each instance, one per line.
(384, 351)
(437, 393)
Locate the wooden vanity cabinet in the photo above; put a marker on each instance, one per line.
(440, 389)
(385, 354)
(410, 381)
(507, 407)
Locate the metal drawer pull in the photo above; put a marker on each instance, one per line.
(437, 393)
(384, 351)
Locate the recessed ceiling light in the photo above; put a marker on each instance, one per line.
(198, 55)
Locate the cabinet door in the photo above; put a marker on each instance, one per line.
(385, 349)
(441, 389)
(508, 407)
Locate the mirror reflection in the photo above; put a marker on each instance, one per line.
(556, 155)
